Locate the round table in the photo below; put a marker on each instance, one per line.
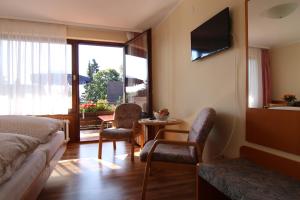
(156, 125)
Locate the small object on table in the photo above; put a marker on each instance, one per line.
(162, 114)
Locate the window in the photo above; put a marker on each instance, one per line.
(255, 98)
(33, 72)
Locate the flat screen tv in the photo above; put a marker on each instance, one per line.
(212, 36)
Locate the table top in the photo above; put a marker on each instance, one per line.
(106, 118)
(156, 122)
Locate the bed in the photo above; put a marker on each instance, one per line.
(29, 178)
(284, 108)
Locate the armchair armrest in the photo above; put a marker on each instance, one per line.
(160, 141)
(101, 126)
(160, 131)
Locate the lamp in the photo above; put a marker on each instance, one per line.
(280, 11)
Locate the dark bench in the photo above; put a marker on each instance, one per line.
(240, 179)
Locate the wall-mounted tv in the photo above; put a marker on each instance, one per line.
(212, 36)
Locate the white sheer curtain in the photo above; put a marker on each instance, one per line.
(255, 88)
(34, 64)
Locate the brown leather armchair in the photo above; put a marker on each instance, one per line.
(125, 127)
(168, 154)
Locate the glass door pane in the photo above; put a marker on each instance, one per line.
(100, 85)
(137, 72)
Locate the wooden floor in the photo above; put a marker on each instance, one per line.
(89, 135)
(80, 175)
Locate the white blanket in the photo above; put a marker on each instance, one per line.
(37, 127)
(14, 149)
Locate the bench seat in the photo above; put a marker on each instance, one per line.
(240, 179)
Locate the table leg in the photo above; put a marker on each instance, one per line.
(150, 132)
(145, 138)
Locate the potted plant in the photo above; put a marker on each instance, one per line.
(91, 110)
(290, 99)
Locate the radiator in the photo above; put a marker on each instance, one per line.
(66, 130)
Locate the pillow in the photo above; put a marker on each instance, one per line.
(37, 127)
(14, 149)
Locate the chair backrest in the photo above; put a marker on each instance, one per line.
(126, 114)
(201, 127)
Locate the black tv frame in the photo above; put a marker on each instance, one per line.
(227, 39)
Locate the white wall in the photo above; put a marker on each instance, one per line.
(285, 71)
(185, 87)
(82, 33)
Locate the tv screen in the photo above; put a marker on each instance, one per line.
(212, 36)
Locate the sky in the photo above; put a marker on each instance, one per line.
(112, 57)
(106, 57)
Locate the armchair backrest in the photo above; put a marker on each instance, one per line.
(125, 114)
(201, 127)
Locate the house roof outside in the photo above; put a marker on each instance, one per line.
(114, 91)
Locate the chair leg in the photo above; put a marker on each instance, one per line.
(145, 181)
(143, 140)
(150, 171)
(100, 148)
(114, 143)
(132, 149)
(197, 181)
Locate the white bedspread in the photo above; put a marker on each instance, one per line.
(284, 108)
(53, 145)
(22, 179)
(37, 127)
(14, 149)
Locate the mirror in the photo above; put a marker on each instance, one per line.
(274, 54)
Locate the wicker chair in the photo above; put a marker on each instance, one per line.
(125, 127)
(178, 154)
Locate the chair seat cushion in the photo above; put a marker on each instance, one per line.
(241, 179)
(168, 153)
(116, 133)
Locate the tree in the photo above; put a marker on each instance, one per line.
(92, 68)
(97, 88)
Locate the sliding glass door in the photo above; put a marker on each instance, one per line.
(105, 75)
(137, 65)
(100, 72)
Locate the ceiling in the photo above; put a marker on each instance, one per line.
(129, 15)
(266, 32)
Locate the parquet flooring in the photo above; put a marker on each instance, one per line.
(81, 176)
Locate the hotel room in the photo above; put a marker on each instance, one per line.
(173, 99)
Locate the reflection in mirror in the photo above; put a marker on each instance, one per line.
(274, 54)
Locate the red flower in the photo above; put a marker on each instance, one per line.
(87, 105)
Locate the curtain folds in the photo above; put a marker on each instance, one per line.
(34, 63)
(255, 88)
(266, 76)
